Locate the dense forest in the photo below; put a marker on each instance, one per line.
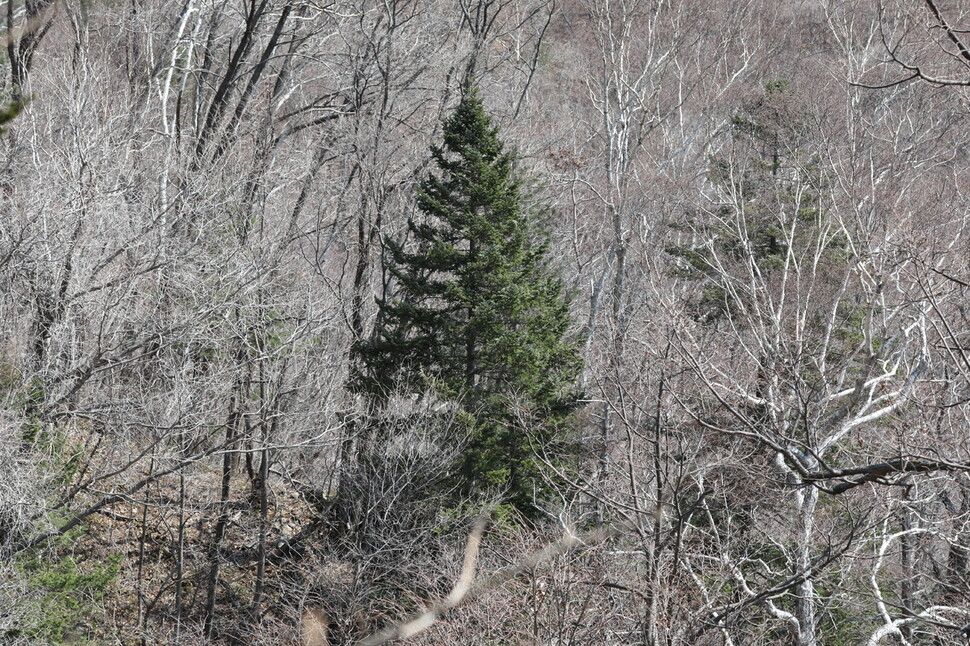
(495, 322)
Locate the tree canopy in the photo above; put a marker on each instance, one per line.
(478, 316)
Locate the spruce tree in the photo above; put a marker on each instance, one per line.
(478, 316)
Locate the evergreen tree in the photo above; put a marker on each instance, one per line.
(478, 317)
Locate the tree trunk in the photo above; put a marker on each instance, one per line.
(806, 602)
(219, 533)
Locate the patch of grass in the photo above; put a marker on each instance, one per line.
(70, 592)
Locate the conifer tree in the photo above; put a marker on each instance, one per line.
(479, 317)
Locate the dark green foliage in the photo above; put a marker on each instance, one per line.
(69, 592)
(9, 111)
(30, 399)
(770, 192)
(479, 318)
